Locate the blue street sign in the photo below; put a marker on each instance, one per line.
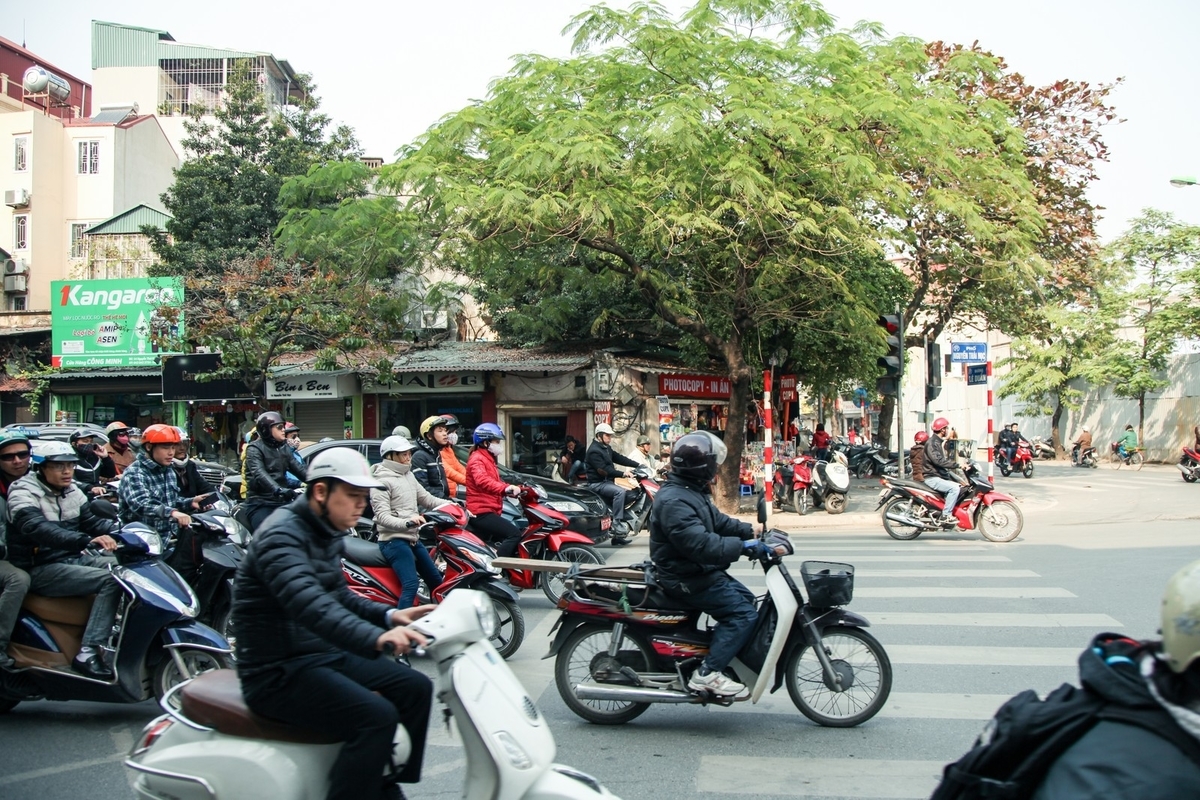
(968, 352)
(976, 374)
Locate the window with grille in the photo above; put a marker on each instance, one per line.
(89, 158)
(21, 232)
(78, 242)
(21, 154)
(16, 302)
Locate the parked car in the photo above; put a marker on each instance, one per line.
(588, 512)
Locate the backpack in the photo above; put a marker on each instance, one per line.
(1018, 746)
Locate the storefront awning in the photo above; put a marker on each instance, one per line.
(490, 357)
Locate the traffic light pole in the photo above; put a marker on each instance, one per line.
(900, 401)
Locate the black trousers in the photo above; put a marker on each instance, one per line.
(357, 700)
(499, 532)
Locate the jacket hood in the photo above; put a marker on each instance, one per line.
(385, 467)
(1110, 668)
(1185, 717)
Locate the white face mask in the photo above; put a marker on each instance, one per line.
(496, 449)
(452, 438)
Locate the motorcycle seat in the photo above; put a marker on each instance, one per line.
(908, 483)
(214, 700)
(364, 554)
(640, 596)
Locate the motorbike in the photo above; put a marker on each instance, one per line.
(791, 483)
(867, 460)
(1189, 464)
(639, 498)
(1088, 458)
(621, 646)
(911, 508)
(826, 482)
(1022, 460)
(1043, 449)
(222, 542)
(214, 746)
(546, 537)
(155, 645)
(465, 562)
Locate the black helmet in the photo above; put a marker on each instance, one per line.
(696, 455)
(265, 422)
(82, 433)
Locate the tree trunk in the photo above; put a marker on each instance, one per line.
(887, 416)
(726, 492)
(1055, 437)
(1141, 418)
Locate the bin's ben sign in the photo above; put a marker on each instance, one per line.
(115, 323)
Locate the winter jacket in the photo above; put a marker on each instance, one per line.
(49, 525)
(399, 502)
(291, 598)
(936, 460)
(456, 473)
(148, 494)
(92, 470)
(691, 542)
(122, 461)
(266, 470)
(916, 457)
(5, 517)
(485, 487)
(1117, 760)
(600, 459)
(1007, 438)
(1129, 441)
(1084, 441)
(191, 482)
(427, 467)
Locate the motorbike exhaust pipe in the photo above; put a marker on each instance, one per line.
(632, 694)
(905, 519)
(1186, 470)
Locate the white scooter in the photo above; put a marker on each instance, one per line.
(214, 747)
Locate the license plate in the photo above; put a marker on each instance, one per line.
(605, 523)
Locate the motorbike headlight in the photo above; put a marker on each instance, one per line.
(486, 615)
(484, 560)
(567, 507)
(188, 609)
(235, 530)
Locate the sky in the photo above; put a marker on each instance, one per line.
(390, 69)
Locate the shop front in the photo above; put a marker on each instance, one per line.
(689, 403)
(415, 396)
(132, 396)
(322, 404)
(539, 411)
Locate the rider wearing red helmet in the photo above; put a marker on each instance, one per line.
(916, 456)
(149, 490)
(943, 478)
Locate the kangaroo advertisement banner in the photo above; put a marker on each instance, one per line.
(115, 323)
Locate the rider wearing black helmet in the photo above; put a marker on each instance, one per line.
(692, 544)
(268, 460)
(95, 464)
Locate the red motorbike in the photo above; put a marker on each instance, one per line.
(793, 481)
(465, 561)
(1022, 460)
(546, 538)
(911, 508)
(640, 490)
(1189, 464)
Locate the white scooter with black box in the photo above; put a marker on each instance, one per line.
(214, 747)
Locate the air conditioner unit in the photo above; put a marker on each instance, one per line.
(16, 266)
(16, 198)
(16, 284)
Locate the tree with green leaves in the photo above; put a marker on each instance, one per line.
(731, 167)
(1159, 257)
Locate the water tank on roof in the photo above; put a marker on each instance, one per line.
(39, 79)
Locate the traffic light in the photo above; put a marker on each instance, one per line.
(893, 362)
(933, 377)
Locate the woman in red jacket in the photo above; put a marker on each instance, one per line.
(486, 491)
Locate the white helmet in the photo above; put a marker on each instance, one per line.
(604, 427)
(1181, 618)
(344, 464)
(396, 444)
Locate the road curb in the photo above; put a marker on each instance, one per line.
(815, 520)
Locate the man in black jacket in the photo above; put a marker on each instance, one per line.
(95, 465)
(942, 471)
(268, 461)
(1007, 441)
(308, 647)
(692, 545)
(427, 465)
(600, 461)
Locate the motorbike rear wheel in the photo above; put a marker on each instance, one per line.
(510, 626)
(583, 657)
(167, 674)
(1002, 521)
(865, 670)
(1136, 459)
(898, 530)
(553, 583)
(1190, 475)
(1005, 469)
(835, 503)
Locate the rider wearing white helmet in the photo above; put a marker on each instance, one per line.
(397, 506)
(308, 647)
(601, 469)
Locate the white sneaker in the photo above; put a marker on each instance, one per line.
(716, 683)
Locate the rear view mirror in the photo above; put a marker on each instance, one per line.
(103, 509)
(762, 508)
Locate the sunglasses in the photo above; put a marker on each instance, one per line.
(14, 456)
(279, 426)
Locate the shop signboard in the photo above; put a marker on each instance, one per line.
(180, 377)
(787, 388)
(314, 386)
(602, 412)
(115, 323)
(427, 382)
(693, 386)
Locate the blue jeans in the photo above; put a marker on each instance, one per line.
(732, 605)
(407, 560)
(79, 577)
(950, 489)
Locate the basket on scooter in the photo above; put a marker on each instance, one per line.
(828, 583)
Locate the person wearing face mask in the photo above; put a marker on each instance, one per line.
(118, 446)
(268, 460)
(95, 466)
(397, 507)
(456, 473)
(291, 437)
(191, 482)
(486, 491)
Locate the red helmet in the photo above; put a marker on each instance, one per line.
(921, 437)
(940, 424)
(160, 434)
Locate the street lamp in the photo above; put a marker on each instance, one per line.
(1182, 181)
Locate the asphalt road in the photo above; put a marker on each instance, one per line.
(966, 624)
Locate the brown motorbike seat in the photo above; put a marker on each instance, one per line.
(63, 610)
(214, 699)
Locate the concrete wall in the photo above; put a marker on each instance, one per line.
(114, 85)
(145, 166)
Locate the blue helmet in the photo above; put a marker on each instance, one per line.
(487, 432)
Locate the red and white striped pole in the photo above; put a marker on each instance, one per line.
(991, 426)
(768, 450)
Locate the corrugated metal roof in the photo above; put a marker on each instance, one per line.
(115, 372)
(131, 221)
(117, 45)
(491, 357)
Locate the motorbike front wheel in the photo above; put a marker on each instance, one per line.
(554, 583)
(584, 657)
(898, 530)
(866, 678)
(835, 503)
(1028, 471)
(168, 675)
(510, 626)
(1002, 521)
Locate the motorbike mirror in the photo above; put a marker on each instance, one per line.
(762, 508)
(103, 509)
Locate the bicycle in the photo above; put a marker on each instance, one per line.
(1132, 458)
